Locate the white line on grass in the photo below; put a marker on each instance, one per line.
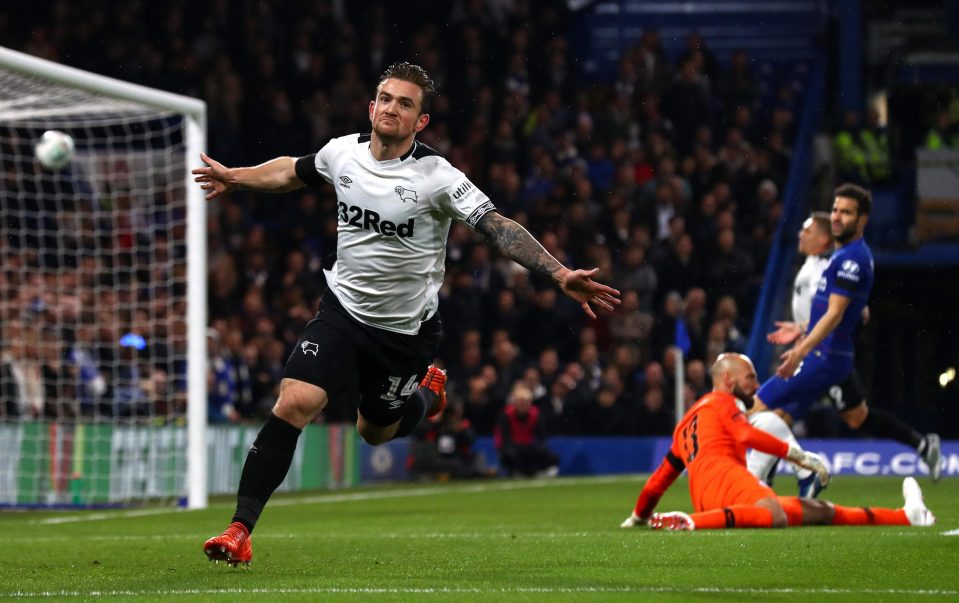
(951, 533)
(314, 499)
(492, 534)
(487, 591)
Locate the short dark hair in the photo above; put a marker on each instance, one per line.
(853, 191)
(822, 221)
(415, 75)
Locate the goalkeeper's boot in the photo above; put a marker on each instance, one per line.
(675, 520)
(233, 546)
(916, 510)
(932, 455)
(435, 381)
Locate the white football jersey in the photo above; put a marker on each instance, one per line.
(394, 218)
(804, 287)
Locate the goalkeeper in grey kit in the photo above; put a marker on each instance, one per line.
(378, 327)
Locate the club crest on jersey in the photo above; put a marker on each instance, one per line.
(309, 347)
(406, 194)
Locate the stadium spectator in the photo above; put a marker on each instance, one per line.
(520, 438)
(944, 133)
(654, 416)
(442, 448)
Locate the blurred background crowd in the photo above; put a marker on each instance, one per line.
(668, 178)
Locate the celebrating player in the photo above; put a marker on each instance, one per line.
(378, 327)
(710, 444)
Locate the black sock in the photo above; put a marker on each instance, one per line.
(885, 425)
(416, 406)
(266, 465)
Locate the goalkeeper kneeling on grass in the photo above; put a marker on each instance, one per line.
(710, 443)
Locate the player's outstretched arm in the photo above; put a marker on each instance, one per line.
(275, 176)
(826, 325)
(516, 243)
(785, 333)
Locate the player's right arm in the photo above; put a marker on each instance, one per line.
(657, 484)
(275, 176)
(786, 332)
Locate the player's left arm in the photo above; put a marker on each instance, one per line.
(516, 243)
(823, 327)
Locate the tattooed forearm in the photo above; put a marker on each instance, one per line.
(515, 242)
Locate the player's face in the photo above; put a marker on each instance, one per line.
(805, 234)
(812, 241)
(746, 384)
(396, 111)
(847, 223)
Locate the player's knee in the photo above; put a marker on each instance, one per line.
(299, 402)
(374, 435)
(771, 423)
(779, 517)
(856, 416)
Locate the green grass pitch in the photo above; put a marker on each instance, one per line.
(511, 540)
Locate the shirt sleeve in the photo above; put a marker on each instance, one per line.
(306, 170)
(744, 433)
(459, 198)
(848, 276)
(323, 159)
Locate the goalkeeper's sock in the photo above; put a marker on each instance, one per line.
(735, 516)
(267, 463)
(868, 516)
(883, 424)
(415, 409)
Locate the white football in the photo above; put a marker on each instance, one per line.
(54, 150)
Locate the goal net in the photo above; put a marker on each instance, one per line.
(102, 293)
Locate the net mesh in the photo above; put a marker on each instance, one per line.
(93, 347)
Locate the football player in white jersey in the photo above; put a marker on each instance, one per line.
(378, 327)
(816, 243)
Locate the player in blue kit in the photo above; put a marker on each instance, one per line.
(847, 396)
(824, 357)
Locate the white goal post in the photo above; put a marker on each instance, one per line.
(103, 295)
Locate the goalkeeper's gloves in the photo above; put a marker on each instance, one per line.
(809, 461)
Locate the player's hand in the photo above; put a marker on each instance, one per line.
(791, 359)
(785, 333)
(579, 285)
(213, 178)
(809, 461)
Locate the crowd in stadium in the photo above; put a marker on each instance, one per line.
(666, 178)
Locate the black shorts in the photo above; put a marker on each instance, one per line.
(374, 368)
(847, 395)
